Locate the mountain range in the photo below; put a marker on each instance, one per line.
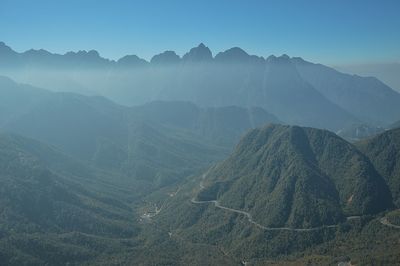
(232, 159)
(294, 90)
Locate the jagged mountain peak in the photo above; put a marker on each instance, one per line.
(4, 49)
(3, 45)
(200, 53)
(283, 59)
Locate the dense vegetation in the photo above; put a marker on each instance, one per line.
(46, 215)
(52, 214)
(241, 178)
(384, 152)
(296, 171)
(106, 184)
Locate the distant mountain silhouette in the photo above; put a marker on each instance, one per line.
(296, 91)
(131, 61)
(366, 97)
(8, 57)
(42, 58)
(167, 57)
(200, 53)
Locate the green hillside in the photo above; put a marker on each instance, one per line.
(288, 195)
(47, 217)
(95, 183)
(384, 152)
(297, 177)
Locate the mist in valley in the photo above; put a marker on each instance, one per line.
(252, 152)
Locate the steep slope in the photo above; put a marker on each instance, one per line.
(384, 152)
(161, 157)
(365, 97)
(9, 58)
(45, 212)
(295, 100)
(28, 164)
(388, 72)
(297, 177)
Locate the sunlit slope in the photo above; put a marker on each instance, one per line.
(289, 176)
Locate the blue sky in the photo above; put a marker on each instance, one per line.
(330, 32)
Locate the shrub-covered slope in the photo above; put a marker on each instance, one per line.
(41, 205)
(384, 152)
(297, 177)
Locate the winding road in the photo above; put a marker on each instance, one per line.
(250, 219)
(383, 220)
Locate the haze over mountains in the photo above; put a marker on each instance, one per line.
(199, 133)
(231, 159)
(292, 89)
(387, 72)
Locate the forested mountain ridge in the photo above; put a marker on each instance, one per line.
(384, 152)
(299, 177)
(289, 190)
